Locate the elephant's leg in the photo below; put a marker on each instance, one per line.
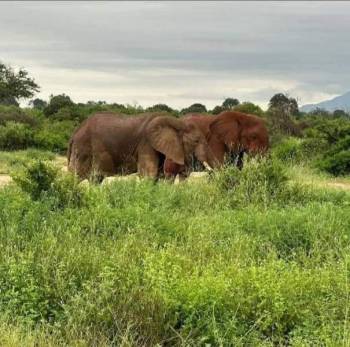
(148, 162)
(80, 163)
(102, 166)
(240, 160)
(171, 169)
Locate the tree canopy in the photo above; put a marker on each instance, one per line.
(38, 103)
(160, 108)
(284, 103)
(56, 103)
(218, 109)
(249, 107)
(15, 85)
(230, 103)
(195, 108)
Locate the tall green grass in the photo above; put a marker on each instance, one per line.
(243, 259)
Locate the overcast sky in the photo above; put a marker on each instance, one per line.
(179, 53)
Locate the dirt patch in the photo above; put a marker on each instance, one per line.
(343, 186)
(61, 162)
(5, 179)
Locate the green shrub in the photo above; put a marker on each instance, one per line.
(66, 192)
(249, 107)
(16, 114)
(160, 108)
(15, 160)
(312, 148)
(337, 164)
(42, 180)
(54, 135)
(260, 181)
(288, 150)
(36, 179)
(56, 103)
(337, 160)
(15, 136)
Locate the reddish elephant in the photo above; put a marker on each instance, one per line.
(229, 133)
(107, 144)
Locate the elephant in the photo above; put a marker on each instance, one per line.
(106, 144)
(230, 134)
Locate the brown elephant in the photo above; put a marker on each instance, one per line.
(228, 134)
(107, 144)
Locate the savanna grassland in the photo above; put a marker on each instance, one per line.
(251, 258)
(258, 257)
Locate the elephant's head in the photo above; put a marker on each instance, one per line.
(241, 132)
(196, 143)
(177, 140)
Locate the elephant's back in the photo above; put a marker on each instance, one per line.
(107, 120)
(117, 134)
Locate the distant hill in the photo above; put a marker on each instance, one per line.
(341, 102)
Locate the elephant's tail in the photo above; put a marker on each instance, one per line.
(69, 151)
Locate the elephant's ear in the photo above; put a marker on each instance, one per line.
(165, 136)
(226, 128)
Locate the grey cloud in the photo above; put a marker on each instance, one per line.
(183, 50)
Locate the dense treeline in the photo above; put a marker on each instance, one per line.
(321, 136)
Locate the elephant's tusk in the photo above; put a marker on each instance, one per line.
(207, 166)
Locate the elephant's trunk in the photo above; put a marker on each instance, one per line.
(201, 153)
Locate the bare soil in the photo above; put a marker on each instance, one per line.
(5, 179)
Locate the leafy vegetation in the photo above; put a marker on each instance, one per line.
(13, 161)
(195, 108)
(15, 85)
(247, 258)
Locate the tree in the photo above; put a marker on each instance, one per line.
(281, 109)
(218, 109)
(284, 103)
(15, 85)
(94, 103)
(249, 107)
(340, 113)
(38, 103)
(160, 108)
(56, 103)
(320, 112)
(230, 103)
(194, 108)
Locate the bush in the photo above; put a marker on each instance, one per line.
(249, 107)
(42, 180)
(15, 136)
(337, 164)
(260, 181)
(218, 110)
(337, 160)
(160, 108)
(194, 108)
(15, 160)
(66, 192)
(289, 150)
(54, 136)
(56, 103)
(16, 114)
(36, 179)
